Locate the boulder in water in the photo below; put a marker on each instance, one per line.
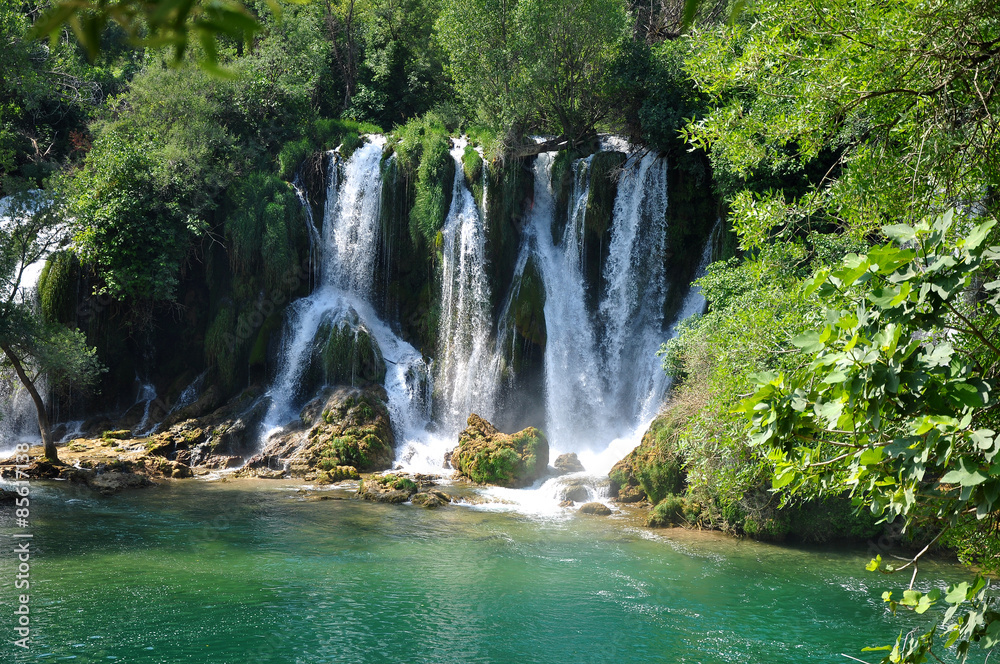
(428, 500)
(598, 509)
(576, 493)
(568, 463)
(387, 488)
(487, 456)
(114, 481)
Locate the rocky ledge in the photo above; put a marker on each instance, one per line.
(400, 488)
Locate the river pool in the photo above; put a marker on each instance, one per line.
(252, 572)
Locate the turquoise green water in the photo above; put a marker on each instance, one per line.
(231, 573)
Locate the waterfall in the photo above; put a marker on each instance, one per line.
(147, 395)
(350, 240)
(467, 377)
(573, 380)
(314, 238)
(631, 309)
(350, 220)
(602, 379)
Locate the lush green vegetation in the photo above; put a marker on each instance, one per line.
(36, 349)
(853, 146)
(840, 146)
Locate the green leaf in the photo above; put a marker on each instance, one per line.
(872, 456)
(967, 475)
(809, 342)
(992, 636)
(978, 235)
(958, 593)
(899, 232)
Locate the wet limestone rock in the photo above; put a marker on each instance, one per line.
(576, 493)
(387, 488)
(568, 463)
(486, 456)
(115, 481)
(597, 509)
(338, 474)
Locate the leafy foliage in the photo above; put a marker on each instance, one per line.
(533, 64)
(854, 123)
(886, 407)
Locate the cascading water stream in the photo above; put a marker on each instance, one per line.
(146, 396)
(574, 389)
(466, 377)
(631, 308)
(349, 247)
(314, 237)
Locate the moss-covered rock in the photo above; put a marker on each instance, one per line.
(342, 427)
(338, 474)
(674, 510)
(387, 488)
(568, 463)
(653, 470)
(429, 500)
(487, 456)
(528, 308)
(348, 354)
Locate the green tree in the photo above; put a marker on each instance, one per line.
(150, 182)
(31, 347)
(890, 406)
(155, 23)
(860, 113)
(534, 64)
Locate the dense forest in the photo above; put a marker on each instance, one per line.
(844, 374)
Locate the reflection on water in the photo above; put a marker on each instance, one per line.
(258, 572)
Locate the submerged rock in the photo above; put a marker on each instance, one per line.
(568, 463)
(598, 509)
(115, 481)
(487, 456)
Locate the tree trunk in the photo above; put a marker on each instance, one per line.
(43, 418)
(532, 149)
